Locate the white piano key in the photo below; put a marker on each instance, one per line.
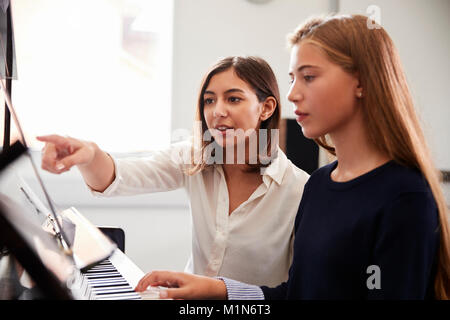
(114, 289)
(119, 296)
(110, 292)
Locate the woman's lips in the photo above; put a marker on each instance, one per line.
(223, 130)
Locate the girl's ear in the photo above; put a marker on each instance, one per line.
(268, 108)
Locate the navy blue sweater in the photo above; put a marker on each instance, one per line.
(386, 218)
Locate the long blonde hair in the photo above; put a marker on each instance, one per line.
(387, 106)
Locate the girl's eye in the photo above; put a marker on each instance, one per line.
(308, 78)
(291, 80)
(234, 99)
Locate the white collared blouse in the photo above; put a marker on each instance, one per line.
(253, 244)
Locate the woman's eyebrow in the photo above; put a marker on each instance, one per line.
(234, 90)
(226, 92)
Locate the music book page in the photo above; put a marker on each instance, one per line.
(90, 245)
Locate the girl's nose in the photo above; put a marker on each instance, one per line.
(294, 94)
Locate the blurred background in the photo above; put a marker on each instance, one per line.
(126, 74)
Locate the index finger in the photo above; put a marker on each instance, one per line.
(55, 139)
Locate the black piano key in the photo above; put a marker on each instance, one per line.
(99, 276)
(109, 284)
(107, 280)
(101, 273)
(101, 270)
(108, 265)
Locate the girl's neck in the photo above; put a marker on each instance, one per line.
(355, 153)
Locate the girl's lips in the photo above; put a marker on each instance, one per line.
(301, 116)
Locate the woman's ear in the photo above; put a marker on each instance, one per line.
(268, 108)
(359, 88)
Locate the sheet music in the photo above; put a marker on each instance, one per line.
(90, 245)
(32, 198)
(44, 213)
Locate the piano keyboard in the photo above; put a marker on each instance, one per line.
(105, 282)
(113, 279)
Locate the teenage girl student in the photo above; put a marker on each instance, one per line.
(374, 223)
(237, 207)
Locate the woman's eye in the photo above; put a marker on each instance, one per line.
(208, 101)
(234, 99)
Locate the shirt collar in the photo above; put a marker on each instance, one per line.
(276, 169)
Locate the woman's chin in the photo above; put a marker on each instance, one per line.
(224, 142)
